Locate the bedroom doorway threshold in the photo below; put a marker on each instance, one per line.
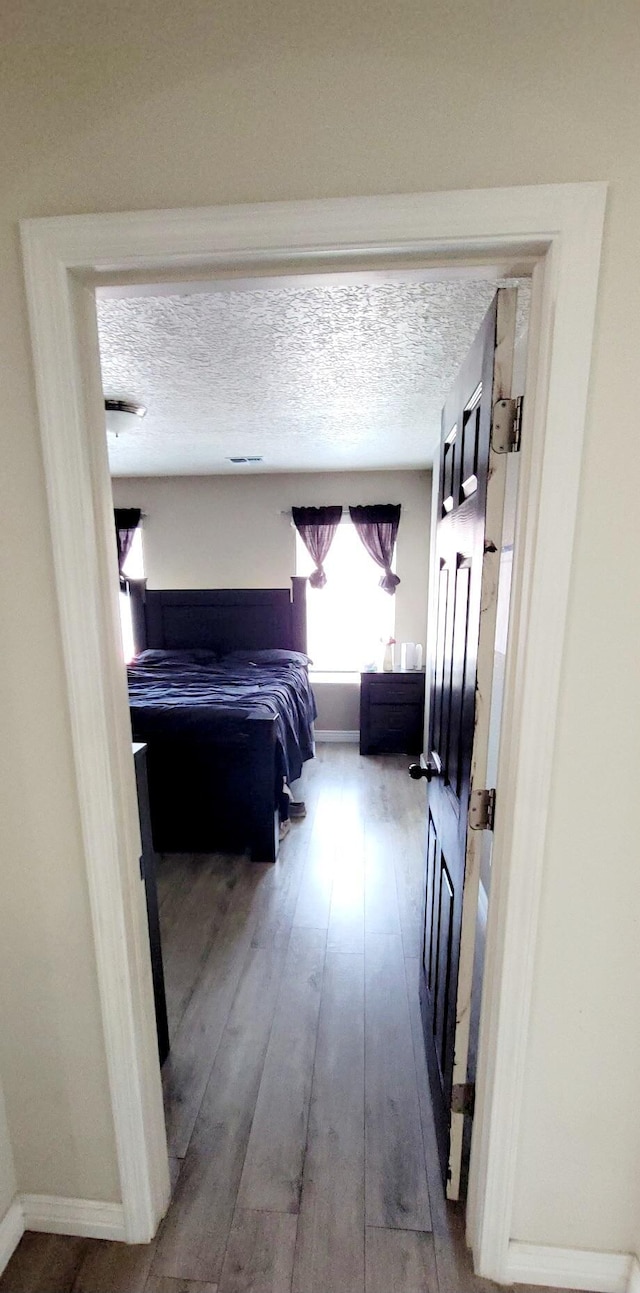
(559, 228)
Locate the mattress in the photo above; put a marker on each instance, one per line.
(182, 693)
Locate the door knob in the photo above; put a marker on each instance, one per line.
(422, 769)
(416, 771)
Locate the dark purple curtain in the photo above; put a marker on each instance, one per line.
(317, 527)
(127, 520)
(377, 526)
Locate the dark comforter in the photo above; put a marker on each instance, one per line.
(176, 693)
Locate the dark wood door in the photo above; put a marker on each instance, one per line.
(148, 866)
(464, 568)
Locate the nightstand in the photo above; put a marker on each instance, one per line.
(392, 713)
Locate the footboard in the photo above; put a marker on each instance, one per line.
(263, 816)
(215, 794)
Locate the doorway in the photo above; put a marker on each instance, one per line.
(561, 227)
(349, 880)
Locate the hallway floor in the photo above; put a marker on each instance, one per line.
(300, 1129)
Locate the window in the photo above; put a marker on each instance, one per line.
(349, 619)
(133, 569)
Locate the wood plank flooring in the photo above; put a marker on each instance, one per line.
(300, 1130)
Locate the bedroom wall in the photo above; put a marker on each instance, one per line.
(119, 106)
(229, 532)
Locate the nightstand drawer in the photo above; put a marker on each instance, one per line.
(392, 718)
(410, 692)
(393, 729)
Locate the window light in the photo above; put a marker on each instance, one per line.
(133, 569)
(350, 619)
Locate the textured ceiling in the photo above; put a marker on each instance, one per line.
(322, 377)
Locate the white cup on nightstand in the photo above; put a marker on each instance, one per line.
(407, 655)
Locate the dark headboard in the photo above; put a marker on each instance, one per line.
(220, 619)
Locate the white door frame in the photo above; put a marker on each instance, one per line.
(64, 257)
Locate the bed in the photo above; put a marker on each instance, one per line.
(219, 691)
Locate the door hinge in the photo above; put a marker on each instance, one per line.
(463, 1098)
(506, 425)
(482, 807)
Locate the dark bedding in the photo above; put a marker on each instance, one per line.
(189, 693)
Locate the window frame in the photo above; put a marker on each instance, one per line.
(350, 670)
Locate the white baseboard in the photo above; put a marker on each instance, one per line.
(573, 1268)
(11, 1232)
(352, 738)
(60, 1216)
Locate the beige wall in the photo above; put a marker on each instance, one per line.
(230, 532)
(338, 706)
(108, 107)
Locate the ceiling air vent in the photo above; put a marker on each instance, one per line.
(253, 459)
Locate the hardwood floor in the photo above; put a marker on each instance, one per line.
(300, 1131)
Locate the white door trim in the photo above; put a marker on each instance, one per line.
(11, 1232)
(562, 224)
